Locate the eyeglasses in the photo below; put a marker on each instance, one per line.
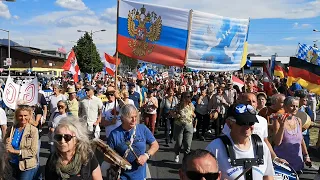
(198, 176)
(66, 137)
(109, 94)
(242, 108)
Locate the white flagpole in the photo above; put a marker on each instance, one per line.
(189, 34)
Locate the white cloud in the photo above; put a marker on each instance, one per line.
(257, 9)
(4, 11)
(74, 21)
(110, 15)
(50, 18)
(264, 50)
(16, 17)
(289, 38)
(296, 25)
(72, 4)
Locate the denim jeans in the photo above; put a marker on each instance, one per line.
(183, 136)
(23, 175)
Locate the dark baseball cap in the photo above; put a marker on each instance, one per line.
(243, 114)
(131, 85)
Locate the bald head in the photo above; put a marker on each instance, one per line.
(249, 98)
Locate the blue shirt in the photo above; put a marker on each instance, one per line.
(117, 141)
(16, 139)
(81, 94)
(135, 97)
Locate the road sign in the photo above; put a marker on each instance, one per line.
(8, 62)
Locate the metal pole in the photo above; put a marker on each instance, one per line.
(91, 58)
(9, 49)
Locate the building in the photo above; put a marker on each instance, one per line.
(29, 59)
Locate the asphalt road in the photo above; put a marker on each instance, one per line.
(162, 166)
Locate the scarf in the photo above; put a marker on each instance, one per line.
(71, 169)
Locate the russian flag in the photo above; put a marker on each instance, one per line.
(153, 33)
(110, 64)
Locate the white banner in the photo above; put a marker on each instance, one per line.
(11, 93)
(27, 93)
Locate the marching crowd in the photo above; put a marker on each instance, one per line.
(252, 130)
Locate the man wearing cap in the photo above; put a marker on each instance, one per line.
(73, 104)
(90, 109)
(241, 119)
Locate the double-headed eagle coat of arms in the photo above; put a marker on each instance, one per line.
(146, 31)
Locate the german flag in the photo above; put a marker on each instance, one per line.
(305, 74)
(280, 70)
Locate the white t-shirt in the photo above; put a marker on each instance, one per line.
(3, 121)
(54, 101)
(217, 148)
(260, 128)
(107, 114)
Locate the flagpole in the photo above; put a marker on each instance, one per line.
(244, 80)
(189, 34)
(117, 56)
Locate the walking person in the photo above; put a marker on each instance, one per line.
(22, 145)
(167, 111)
(90, 110)
(150, 111)
(183, 125)
(202, 115)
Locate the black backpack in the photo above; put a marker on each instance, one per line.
(245, 162)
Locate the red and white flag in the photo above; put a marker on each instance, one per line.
(72, 66)
(139, 75)
(110, 64)
(236, 81)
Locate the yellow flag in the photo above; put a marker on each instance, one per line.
(244, 55)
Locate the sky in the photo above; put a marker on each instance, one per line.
(276, 26)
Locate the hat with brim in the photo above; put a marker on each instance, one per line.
(111, 89)
(71, 90)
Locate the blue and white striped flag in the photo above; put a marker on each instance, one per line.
(309, 53)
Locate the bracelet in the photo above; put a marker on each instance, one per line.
(307, 157)
(274, 159)
(147, 155)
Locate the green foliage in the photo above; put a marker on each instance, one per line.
(88, 57)
(131, 62)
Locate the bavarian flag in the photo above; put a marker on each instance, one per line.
(305, 74)
(280, 70)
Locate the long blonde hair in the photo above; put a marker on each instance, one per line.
(83, 146)
(22, 108)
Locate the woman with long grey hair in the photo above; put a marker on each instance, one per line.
(73, 157)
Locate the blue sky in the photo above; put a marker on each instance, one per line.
(276, 25)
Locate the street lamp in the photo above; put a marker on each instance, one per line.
(8, 46)
(91, 34)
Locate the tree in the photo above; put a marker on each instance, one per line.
(131, 62)
(88, 57)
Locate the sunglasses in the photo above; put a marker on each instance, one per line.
(108, 94)
(66, 137)
(198, 176)
(241, 109)
(61, 107)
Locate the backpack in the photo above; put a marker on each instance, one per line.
(245, 162)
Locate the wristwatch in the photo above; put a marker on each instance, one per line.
(148, 154)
